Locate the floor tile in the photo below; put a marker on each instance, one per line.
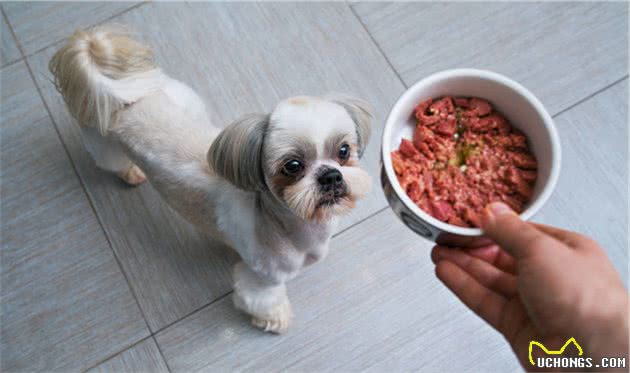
(592, 192)
(65, 303)
(143, 357)
(9, 52)
(561, 51)
(244, 62)
(39, 24)
(374, 304)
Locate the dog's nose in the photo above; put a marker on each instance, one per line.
(332, 177)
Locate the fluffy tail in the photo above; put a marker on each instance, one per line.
(100, 71)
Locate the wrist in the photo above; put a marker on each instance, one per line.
(606, 328)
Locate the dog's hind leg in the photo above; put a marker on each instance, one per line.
(109, 155)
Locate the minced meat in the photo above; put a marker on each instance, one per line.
(463, 156)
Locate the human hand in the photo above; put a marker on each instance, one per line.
(539, 283)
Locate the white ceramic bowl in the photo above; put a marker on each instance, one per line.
(515, 102)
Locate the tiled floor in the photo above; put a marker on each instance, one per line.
(99, 276)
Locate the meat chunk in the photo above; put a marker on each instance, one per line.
(447, 127)
(425, 115)
(441, 210)
(479, 107)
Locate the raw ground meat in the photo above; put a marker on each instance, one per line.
(463, 156)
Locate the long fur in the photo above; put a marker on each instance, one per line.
(101, 71)
(236, 147)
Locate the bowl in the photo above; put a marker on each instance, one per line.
(515, 102)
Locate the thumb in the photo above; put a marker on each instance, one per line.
(520, 239)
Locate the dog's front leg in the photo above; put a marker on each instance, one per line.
(264, 300)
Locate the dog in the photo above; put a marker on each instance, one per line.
(271, 186)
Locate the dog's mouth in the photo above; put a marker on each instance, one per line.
(331, 198)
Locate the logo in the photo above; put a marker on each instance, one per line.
(553, 352)
(553, 361)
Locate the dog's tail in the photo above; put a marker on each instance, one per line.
(100, 71)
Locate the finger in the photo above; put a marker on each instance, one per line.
(434, 253)
(496, 256)
(492, 254)
(520, 239)
(482, 301)
(572, 239)
(452, 240)
(485, 273)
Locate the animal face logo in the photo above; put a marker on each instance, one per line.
(553, 352)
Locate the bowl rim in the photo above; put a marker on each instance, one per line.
(497, 78)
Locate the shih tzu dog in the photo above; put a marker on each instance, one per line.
(271, 186)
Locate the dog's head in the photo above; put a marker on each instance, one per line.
(305, 152)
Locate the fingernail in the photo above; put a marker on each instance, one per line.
(494, 210)
(498, 209)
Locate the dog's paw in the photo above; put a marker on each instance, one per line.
(277, 321)
(133, 176)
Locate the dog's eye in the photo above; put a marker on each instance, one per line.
(292, 167)
(344, 152)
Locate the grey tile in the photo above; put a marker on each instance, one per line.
(374, 303)
(9, 52)
(245, 62)
(561, 51)
(39, 24)
(65, 303)
(592, 192)
(143, 357)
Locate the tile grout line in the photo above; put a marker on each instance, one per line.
(360, 221)
(157, 345)
(153, 335)
(115, 15)
(588, 97)
(11, 63)
(109, 357)
(376, 44)
(75, 169)
(215, 300)
(15, 40)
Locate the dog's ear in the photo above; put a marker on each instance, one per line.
(236, 154)
(360, 112)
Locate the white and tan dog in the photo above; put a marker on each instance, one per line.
(269, 185)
